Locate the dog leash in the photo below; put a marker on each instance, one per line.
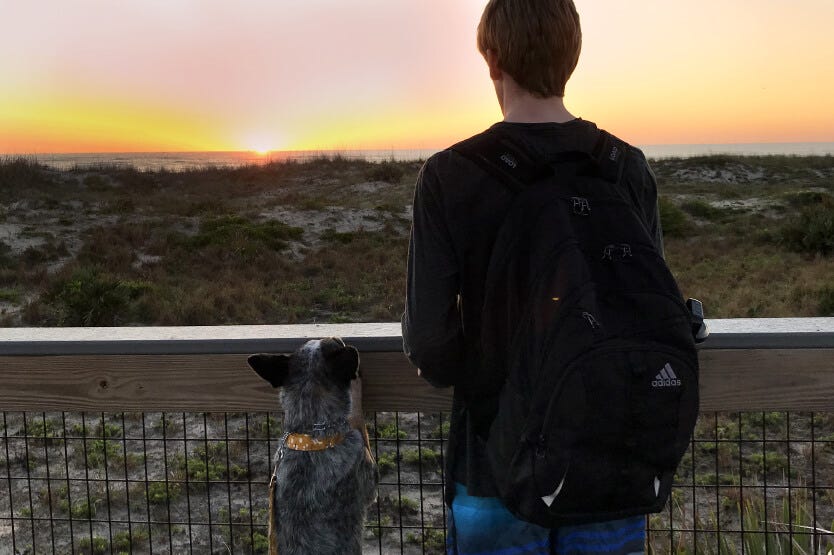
(272, 532)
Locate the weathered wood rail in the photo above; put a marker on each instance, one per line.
(746, 365)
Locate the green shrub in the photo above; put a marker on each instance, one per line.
(100, 450)
(386, 462)
(408, 505)
(259, 541)
(92, 297)
(95, 182)
(812, 231)
(390, 208)
(127, 541)
(46, 252)
(384, 526)
(313, 204)
(161, 493)
(442, 430)
(424, 456)
(809, 198)
(390, 431)
(42, 430)
(209, 464)
(6, 258)
(95, 546)
(241, 234)
(20, 173)
(673, 220)
(390, 172)
(84, 509)
(269, 426)
(774, 463)
(333, 236)
(9, 296)
(108, 430)
(434, 540)
(712, 479)
(702, 209)
(826, 299)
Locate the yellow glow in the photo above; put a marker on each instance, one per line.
(435, 123)
(718, 72)
(83, 124)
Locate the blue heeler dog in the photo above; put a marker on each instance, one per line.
(325, 475)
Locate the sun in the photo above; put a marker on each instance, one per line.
(260, 150)
(261, 143)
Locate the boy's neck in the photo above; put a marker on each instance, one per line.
(519, 106)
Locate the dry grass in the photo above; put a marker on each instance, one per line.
(193, 247)
(208, 251)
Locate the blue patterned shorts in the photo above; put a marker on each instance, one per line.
(483, 526)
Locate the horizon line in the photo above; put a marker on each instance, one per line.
(337, 150)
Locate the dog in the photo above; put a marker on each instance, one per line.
(325, 474)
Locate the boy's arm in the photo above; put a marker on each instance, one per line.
(431, 326)
(643, 188)
(653, 206)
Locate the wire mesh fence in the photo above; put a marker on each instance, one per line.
(197, 483)
(752, 483)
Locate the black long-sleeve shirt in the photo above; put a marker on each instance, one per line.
(458, 209)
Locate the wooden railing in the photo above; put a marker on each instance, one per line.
(746, 365)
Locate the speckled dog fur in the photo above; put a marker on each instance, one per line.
(321, 497)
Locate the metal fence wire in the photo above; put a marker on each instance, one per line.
(197, 483)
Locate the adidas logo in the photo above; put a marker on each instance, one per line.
(666, 378)
(509, 160)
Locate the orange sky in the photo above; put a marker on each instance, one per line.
(178, 75)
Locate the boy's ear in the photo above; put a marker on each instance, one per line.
(272, 368)
(344, 365)
(495, 72)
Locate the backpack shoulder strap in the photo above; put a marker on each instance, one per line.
(509, 162)
(609, 156)
(503, 158)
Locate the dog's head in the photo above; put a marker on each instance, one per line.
(320, 372)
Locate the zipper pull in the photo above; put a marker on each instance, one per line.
(592, 321)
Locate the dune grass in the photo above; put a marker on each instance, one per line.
(755, 240)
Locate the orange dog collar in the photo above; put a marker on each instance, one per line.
(304, 442)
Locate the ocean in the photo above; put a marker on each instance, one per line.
(179, 161)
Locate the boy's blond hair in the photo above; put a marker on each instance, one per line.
(537, 42)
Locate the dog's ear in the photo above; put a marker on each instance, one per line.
(343, 365)
(272, 368)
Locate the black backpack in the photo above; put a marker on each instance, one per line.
(588, 358)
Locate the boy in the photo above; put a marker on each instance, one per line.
(531, 48)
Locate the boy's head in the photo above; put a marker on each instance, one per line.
(536, 42)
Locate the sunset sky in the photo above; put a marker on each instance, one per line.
(182, 75)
